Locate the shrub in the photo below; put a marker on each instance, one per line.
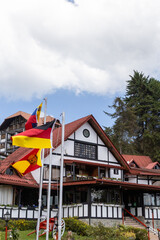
(139, 233)
(22, 224)
(2, 225)
(100, 232)
(75, 225)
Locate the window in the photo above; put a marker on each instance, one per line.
(55, 172)
(158, 199)
(83, 150)
(116, 171)
(86, 133)
(106, 196)
(45, 172)
(157, 167)
(149, 199)
(102, 172)
(9, 171)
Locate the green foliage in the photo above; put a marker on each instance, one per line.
(2, 225)
(100, 232)
(137, 118)
(22, 224)
(139, 233)
(15, 234)
(75, 225)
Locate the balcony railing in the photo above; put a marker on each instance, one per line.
(71, 178)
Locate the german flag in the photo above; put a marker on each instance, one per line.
(29, 163)
(38, 137)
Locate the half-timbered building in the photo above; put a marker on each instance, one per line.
(99, 184)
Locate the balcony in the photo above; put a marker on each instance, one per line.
(71, 178)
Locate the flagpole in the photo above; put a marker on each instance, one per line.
(41, 179)
(49, 194)
(61, 179)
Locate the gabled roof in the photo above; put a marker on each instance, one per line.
(9, 119)
(20, 113)
(141, 161)
(26, 180)
(145, 164)
(152, 165)
(26, 116)
(70, 128)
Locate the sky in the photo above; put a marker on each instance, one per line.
(79, 54)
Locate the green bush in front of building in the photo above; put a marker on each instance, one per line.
(22, 224)
(75, 225)
(100, 232)
(2, 225)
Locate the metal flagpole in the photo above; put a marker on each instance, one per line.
(49, 194)
(61, 180)
(41, 180)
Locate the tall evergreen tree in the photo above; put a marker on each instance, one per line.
(137, 124)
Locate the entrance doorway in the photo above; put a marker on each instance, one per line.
(133, 202)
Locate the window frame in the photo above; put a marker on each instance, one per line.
(85, 156)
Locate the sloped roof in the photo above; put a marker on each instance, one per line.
(26, 180)
(70, 128)
(12, 158)
(141, 161)
(9, 119)
(145, 164)
(26, 116)
(152, 165)
(20, 113)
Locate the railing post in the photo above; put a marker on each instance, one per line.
(122, 216)
(148, 233)
(152, 219)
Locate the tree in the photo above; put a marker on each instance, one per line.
(137, 117)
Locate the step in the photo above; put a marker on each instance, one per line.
(132, 222)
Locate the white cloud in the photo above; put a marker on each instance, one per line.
(90, 46)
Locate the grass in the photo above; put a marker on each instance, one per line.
(23, 236)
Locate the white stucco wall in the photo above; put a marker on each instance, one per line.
(79, 134)
(112, 175)
(102, 153)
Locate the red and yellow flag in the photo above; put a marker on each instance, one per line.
(38, 137)
(29, 163)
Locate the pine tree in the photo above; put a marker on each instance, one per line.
(137, 124)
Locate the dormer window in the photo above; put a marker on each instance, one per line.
(156, 167)
(9, 171)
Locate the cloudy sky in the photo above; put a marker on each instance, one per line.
(79, 55)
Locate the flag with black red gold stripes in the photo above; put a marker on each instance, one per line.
(38, 137)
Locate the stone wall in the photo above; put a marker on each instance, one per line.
(105, 222)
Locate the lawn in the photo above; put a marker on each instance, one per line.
(23, 236)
